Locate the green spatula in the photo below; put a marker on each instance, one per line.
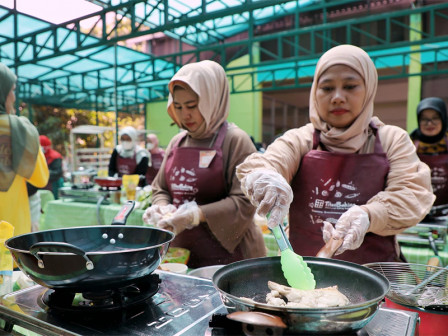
(295, 269)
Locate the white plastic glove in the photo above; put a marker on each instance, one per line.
(352, 226)
(156, 213)
(187, 216)
(270, 193)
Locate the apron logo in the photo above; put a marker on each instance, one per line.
(181, 187)
(438, 178)
(206, 158)
(345, 192)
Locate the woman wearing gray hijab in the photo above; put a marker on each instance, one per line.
(21, 159)
(431, 141)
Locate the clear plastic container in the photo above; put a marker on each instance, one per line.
(6, 283)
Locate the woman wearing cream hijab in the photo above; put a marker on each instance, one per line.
(196, 193)
(344, 175)
(128, 157)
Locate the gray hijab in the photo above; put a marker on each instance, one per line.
(7, 80)
(19, 139)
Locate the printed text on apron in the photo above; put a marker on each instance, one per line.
(325, 186)
(197, 174)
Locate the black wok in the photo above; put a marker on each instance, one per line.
(364, 288)
(91, 258)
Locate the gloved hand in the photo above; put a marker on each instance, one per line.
(156, 213)
(270, 193)
(187, 216)
(352, 226)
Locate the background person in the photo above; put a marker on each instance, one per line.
(347, 174)
(54, 162)
(21, 159)
(35, 203)
(156, 157)
(197, 194)
(431, 141)
(128, 158)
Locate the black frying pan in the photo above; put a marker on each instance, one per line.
(364, 288)
(91, 258)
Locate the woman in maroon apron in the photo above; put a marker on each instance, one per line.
(128, 158)
(196, 193)
(157, 155)
(431, 141)
(345, 174)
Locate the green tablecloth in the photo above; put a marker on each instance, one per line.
(45, 197)
(421, 255)
(61, 214)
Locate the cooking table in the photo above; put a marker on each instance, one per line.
(62, 214)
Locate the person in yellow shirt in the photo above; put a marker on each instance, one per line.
(21, 159)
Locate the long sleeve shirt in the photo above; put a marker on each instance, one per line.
(404, 202)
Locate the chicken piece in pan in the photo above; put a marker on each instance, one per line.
(283, 296)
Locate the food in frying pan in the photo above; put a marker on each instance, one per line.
(283, 296)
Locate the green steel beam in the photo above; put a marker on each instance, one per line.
(319, 36)
(57, 46)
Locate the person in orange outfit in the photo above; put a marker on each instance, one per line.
(54, 162)
(21, 159)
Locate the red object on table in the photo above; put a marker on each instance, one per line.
(108, 182)
(432, 323)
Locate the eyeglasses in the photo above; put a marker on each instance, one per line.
(434, 121)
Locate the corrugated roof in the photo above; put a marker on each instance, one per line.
(60, 64)
(68, 65)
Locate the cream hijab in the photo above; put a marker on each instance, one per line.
(352, 138)
(139, 152)
(208, 80)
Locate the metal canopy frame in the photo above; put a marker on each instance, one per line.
(62, 65)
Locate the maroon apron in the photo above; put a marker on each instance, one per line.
(326, 185)
(438, 164)
(156, 162)
(126, 166)
(191, 178)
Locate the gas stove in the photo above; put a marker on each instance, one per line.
(181, 305)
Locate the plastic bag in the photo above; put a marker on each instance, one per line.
(6, 261)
